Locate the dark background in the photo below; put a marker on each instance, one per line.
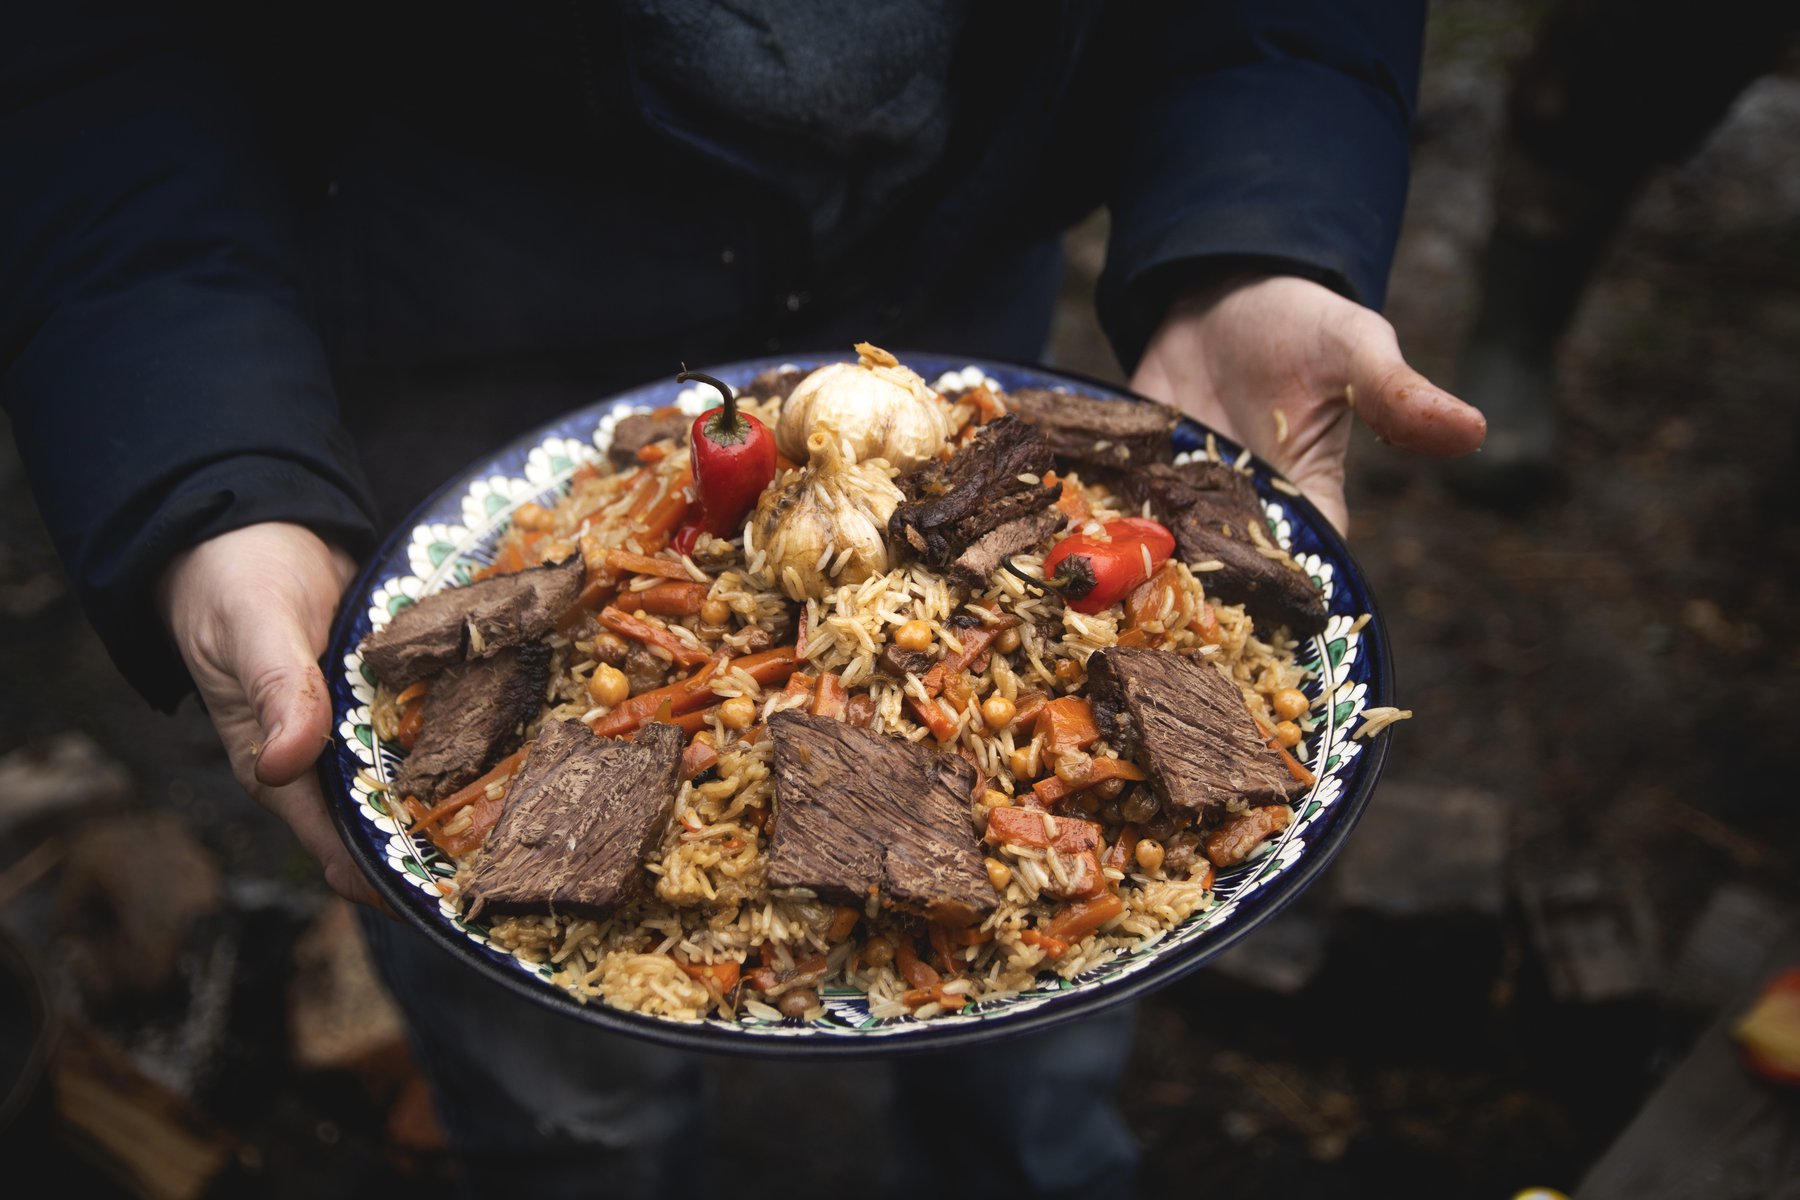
(1581, 851)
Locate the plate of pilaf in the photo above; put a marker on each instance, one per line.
(854, 705)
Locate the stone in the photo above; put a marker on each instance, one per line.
(1426, 849)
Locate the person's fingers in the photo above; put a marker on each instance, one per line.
(1404, 408)
(302, 806)
(272, 659)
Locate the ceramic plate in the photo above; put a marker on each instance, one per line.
(456, 532)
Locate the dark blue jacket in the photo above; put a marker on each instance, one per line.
(210, 219)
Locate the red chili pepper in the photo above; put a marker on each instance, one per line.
(1093, 574)
(734, 459)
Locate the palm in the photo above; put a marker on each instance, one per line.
(1282, 365)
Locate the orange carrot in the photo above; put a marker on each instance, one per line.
(411, 722)
(1053, 788)
(831, 699)
(698, 758)
(1072, 503)
(655, 452)
(722, 974)
(931, 715)
(842, 923)
(413, 692)
(686, 695)
(1053, 947)
(1067, 724)
(1121, 852)
(626, 625)
(668, 599)
(916, 973)
(509, 561)
(1295, 767)
(624, 562)
(1075, 921)
(470, 792)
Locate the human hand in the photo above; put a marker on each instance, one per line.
(1234, 354)
(250, 611)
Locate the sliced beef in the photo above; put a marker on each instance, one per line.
(1087, 431)
(860, 814)
(474, 715)
(952, 504)
(1215, 514)
(776, 383)
(638, 430)
(978, 563)
(581, 816)
(1186, 725)
(471, 622)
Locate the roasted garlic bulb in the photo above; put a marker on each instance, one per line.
(879, 409)
(823, 524)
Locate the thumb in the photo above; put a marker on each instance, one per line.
(1404, 408)
(286, 691)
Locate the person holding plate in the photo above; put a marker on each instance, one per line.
(270, 280)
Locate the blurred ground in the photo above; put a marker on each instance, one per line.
(1580, 847)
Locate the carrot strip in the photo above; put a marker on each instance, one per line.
(831, 699)
(1076, 921)
(510, 561)
(411, 722)
(669, 599)
(916, 973)
(1121, 852)
(723, 974)
(698, 758)
(1067, 724)
(1053, 788)
(931, 715)
(842, 922)
(624, 562)
(413, 692)
(1053, 947)
(626, 625)
(470, 792)
(1295, 767)
(685, 695)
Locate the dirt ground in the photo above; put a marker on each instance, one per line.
(1580, 841)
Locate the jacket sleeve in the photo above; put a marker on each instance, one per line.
(1271, 133)
(163, 381)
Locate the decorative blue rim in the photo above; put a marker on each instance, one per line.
(454, 530)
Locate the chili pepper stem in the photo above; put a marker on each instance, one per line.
(729, 419)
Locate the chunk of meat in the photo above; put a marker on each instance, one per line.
(1087, 431)
(637, 430)
(1185, 723)
(644, 669)
(860, 814)
(993, 482)
(1215, 515)
(1232, 842)
(776, 383)
(474, 715)
(582, 815)
(900, 662)
(471, 622)
(974, 566)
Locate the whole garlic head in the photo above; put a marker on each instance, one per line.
(824, 524)
(878, 407)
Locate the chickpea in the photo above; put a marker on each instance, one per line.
(878, 952)
(608, 685)
(610, 647)
(1289, 703)
(798, 1002)
(999, 874)
(715, 611)
(995, 798)
(1150, 855)
(532, 517)
(1068, 673)
(1020, 762)
(1287, 733)
(738, 713)
(555, 550)
(1110, 789)
(998, 712)
(1008, 641)
(914, 635)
